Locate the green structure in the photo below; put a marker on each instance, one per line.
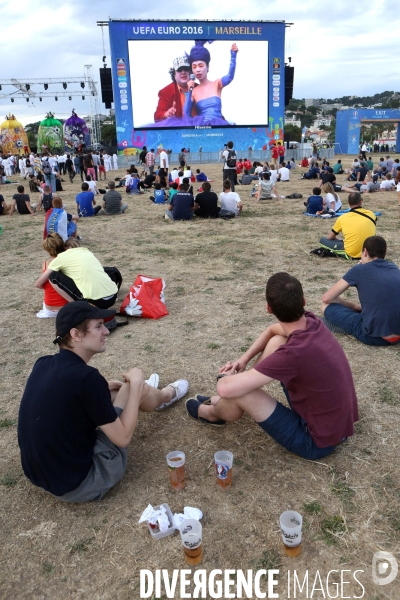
(50, 134)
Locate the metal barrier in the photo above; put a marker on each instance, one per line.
(204, 158)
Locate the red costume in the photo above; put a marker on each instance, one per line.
(166, 97)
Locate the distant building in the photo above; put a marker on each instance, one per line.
(292, 121)
(311, 102)
(322, 121)
(330, 106)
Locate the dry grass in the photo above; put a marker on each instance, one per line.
(215, 273)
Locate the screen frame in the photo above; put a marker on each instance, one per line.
(130, 139)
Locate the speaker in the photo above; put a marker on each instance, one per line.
(106, 87)
(287, 137)
(289, 76)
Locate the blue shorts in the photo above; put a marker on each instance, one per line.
(287, 428)
(351, 321)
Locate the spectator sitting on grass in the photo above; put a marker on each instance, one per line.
(247, 178)
(92, 185)
(57, 220)
(200, 176)
(181, 206)
(34, 184)
(46, 199)
(315, 202)
(229, 200)
(85, 202)
(266, 188)
(388, 184)
(159, 194)
(112, 201)
(22, 203)
(173, 190)
(206, 203)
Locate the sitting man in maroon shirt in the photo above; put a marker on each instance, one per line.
(303, 355)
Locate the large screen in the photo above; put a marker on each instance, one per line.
(231, 91)
(238, 74)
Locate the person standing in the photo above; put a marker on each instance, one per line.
(89, 165)
(69, 166)
(96, 163)
(49, 175)
(163, 158)
(364, 151)
(229, 170)
(150, 161)
(102, 168)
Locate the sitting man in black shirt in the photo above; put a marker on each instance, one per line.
(328, 176)
(3, 206)
(74, 426)
(22, 202)
(206, 203)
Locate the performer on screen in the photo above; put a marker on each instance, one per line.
(171, 99)
(206, 97)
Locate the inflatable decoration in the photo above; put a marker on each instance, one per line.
(76, 132)
(50, 134)
(13, 138)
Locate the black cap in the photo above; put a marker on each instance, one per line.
(74, 313)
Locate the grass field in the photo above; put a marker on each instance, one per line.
(215, 272)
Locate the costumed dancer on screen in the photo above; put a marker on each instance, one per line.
(206, 97)
(171, 99)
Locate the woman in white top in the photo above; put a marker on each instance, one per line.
(332, 201)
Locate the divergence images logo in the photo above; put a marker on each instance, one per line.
(384, 568)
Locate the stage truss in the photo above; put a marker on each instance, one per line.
(28, 88)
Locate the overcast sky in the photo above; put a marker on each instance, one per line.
(340, 48)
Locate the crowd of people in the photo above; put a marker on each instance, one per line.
(97, 418)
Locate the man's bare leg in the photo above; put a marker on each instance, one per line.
(258, 404)
(150, 398)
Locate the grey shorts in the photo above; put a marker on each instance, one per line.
(108, 467)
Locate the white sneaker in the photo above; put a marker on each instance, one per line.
(181, 387)
(153, 380)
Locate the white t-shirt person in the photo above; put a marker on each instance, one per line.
(332, 203)
(284, 173)
(231, 201)
(164, 157)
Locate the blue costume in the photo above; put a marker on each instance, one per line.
(209, 110)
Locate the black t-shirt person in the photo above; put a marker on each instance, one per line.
(21, 200)
(208, 203)
(64, 402)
